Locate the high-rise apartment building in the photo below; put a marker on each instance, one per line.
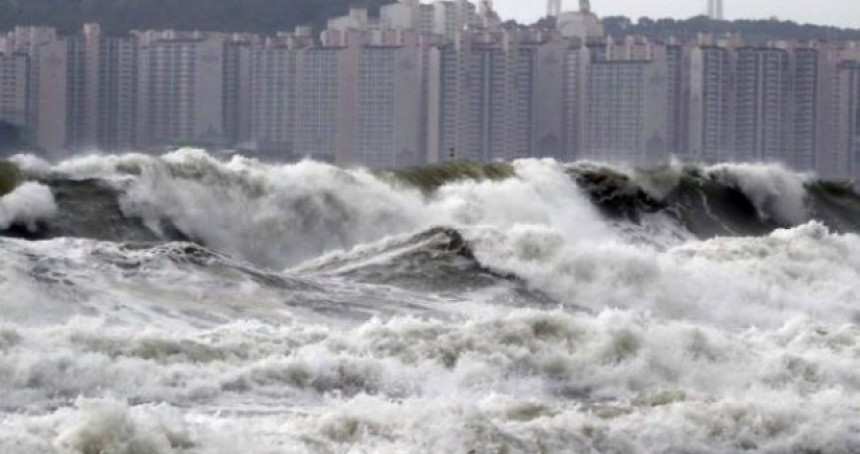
(274, 100)
(549, 98)
(102, 91)
(806, 116)
(445, 18)
(851, 71)
(118, 99)
(622, 102)
(236, 89)
(574, 95)
(180, 89)
(47, 85)
(677, 89)
(762, 104)
(358, 98)
(846, 128)
(410, 15)
(389, 107)
(84, 85)
(13, 90)
(427, 82)
(625, 112)
(486, 96)
(78, 124)
(710, 129)
(833, 154)
(450, 17)
(318, 89)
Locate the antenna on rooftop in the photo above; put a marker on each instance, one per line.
(553, 8)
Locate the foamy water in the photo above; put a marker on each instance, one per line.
(304, 325)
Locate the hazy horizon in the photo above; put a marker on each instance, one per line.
(826, 12)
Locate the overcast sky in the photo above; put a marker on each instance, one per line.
(845, 13)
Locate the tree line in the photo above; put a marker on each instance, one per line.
(117, 17)
(753, 31)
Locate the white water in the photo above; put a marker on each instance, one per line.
(26, 205)
(727, 345)
(771, 187)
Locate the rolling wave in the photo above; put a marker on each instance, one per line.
(182, 304)
(312, 207)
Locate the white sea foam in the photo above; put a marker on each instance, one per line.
(726, 345)
(27, 205)
(728, 281)
(31, 164)
(613, 382)
(282, 215)
(776, 191)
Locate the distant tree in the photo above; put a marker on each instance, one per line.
(753, 30)
(645, 22)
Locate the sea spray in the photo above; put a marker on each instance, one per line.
(305, 308)
(616, 381)
(26, 206)
(280, 215)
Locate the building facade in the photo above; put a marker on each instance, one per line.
(433, 82)
(13, 89)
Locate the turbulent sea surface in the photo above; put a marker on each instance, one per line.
(187, 305)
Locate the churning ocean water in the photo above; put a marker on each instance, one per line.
(184, 304)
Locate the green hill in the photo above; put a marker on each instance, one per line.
(268, 16)
(754, 31)
(120, 16)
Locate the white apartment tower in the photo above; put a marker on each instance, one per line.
(845, 163)
(318, 94)
(13, 89)
(47, 85)
(180, 89)
(762, 104)
(806, 118)
(715, 9)
(236, 91)
(625, 110)
(389, 107)
(273, 100)
(485, 97)
(710, 128)
(118, 98)
(412, 15)
(838, 103)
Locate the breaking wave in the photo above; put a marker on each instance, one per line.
(186, 304)
(27, 206)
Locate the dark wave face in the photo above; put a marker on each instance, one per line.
(185, 304)
(728, 200)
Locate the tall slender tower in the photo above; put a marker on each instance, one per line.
(553, 8)
(715, 9)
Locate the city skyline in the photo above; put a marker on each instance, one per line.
(424, 83)
(827, 12)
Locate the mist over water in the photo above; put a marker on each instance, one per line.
(185, 304)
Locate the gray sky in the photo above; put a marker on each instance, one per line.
(844, 13)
